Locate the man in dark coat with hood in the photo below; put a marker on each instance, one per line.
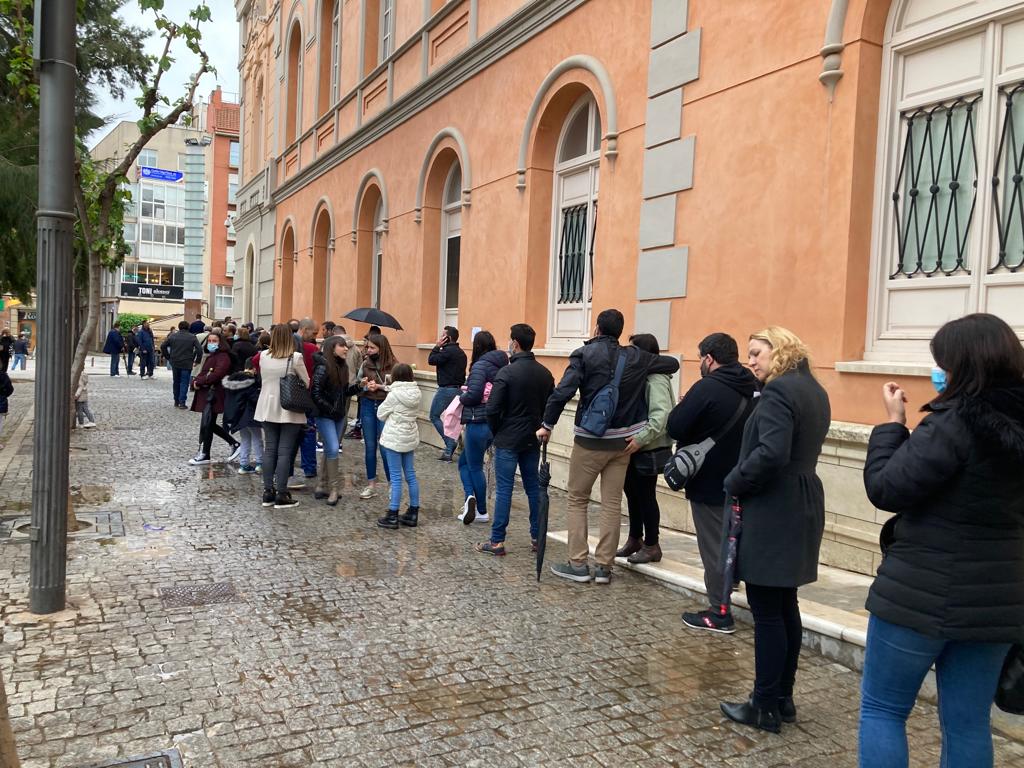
(720, 400)
(114, 346)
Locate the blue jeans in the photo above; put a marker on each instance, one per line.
(307, 448)
(131, 361)
(145, 362)
(331, 432)
(19, 359)
(399, 464)
(180, 379)
(115, 364)
(895, 664)
(372, 427)
(442, 399)
(476, 439)
(505, 462)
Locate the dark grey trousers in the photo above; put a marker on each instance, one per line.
(708, 520)
(280, 442)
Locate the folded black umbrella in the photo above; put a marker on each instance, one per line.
(373, 316)
(734, 528)
(544, 476)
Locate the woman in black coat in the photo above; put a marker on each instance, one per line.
(783, 517)
(950, 589)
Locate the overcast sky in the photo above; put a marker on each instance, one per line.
(220, 39)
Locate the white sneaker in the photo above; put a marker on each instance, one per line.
(198, 459)
(368, 492)
(89, 425)
(235, 455)
(296, 484)
(468, 508)
(482, 518)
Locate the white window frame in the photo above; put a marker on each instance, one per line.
(223, 300)
(961, 293)
(386, 35)
(570, 323)
(336, 53)
(148, 158)
(229, 260)
(377, 255)
(451, 228)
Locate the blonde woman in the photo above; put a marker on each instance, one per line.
(783, 517)
(281, 428)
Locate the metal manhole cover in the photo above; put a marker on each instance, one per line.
(170, 758)
(190, 595)
(94, 525)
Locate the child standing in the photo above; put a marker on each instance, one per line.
(242, 391)
(6, 390)
(400, 437)
(85, 419)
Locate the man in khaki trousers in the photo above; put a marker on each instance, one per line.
(592, 367)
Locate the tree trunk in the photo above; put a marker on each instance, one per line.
(85, 336)
(8, 754)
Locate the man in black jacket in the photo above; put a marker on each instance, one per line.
(182, 349)
(515, 410)
(591, 368)
(720, 399)
(450, 361)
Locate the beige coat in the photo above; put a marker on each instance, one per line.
(272, 369)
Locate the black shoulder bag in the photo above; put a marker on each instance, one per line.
(294, 395)
(687, 461)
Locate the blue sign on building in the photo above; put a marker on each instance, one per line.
(159, 174)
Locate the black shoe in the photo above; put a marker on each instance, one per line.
(411, 517)
(354, 434)
(748, 713)
(712, 621)
(787, 709)
(390, 520)
(284, 501)
(269, 497)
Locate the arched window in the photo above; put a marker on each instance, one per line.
(330, 55)
(950, 239)
(451, 246)
(577, 159)
(293, 102)
(378, 254)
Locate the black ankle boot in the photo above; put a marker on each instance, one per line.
(749, 713)
(390, 520)
(787, 709)
(411, 517)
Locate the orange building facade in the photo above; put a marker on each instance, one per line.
(849, 169)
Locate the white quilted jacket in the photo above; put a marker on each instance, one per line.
(398, 412)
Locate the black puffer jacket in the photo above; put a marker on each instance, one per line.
(330, 400)
(241, 393)
(474, 410)
(955, 566)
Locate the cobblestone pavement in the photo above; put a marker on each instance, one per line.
(346, 645)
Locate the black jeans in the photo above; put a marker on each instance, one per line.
(778, 633)
(642, 501)
(206, 436)
(280, 442)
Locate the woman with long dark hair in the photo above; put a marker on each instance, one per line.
(330, 395)
(374, 375)
(950, 589)
(209, 398)
(487, 360)
(783, 504)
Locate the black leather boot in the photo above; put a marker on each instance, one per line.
(390, 520)
(787, 709)
(749, 713)
(411, 517)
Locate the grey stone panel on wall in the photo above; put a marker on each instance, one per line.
(669, 168)
(662, 274)
(668, 20)
(654, 317)
(658, 222)
(664, 118)
(674, 64)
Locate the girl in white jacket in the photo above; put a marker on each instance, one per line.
(400, 437)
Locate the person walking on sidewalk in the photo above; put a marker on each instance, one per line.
(950, 589)
(450, 361)
(6, 390)
(147, 351)
(476, 435)
(183, 350)
(648, 452)
(515, 411)
(208, 400)
(598, 365)
(281, 428)
(20, 352)
(717, 406)
(6, 347)
(783, 517)
(330, 393)
(114, 346)
(83, 415)
(374, 374)
(400, 436)
(241, 394)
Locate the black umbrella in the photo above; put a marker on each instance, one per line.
(544, 476)
(373, 316)
(733, 529)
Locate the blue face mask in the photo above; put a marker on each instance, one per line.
(212, 347)
(939, 380)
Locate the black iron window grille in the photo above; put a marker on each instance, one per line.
(936, 189)
(1008, 192)
(593, 236)
(573, 254)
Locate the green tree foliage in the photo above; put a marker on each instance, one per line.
(128, 320)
